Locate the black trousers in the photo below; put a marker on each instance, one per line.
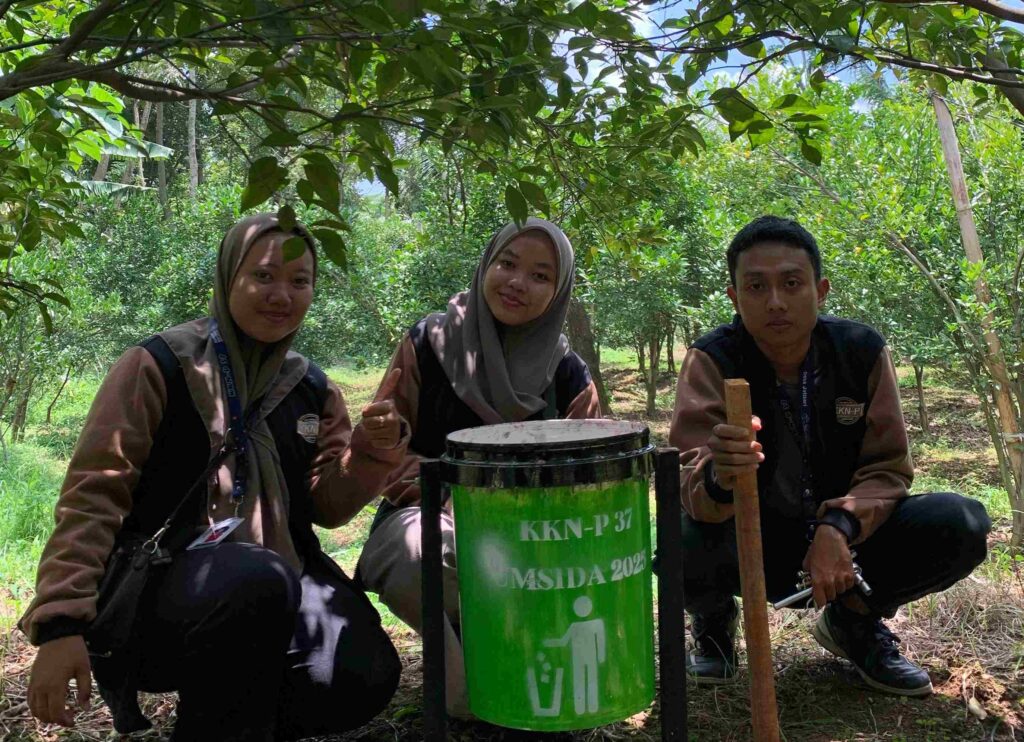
(928, 543)
(258, 654)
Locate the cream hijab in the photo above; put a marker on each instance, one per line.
(264, 374)
(500, 372)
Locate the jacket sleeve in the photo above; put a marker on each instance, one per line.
(700, 406)
(96, 496)
(348, 471)
(885, 469)
(400, 486)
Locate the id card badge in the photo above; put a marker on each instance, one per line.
(215, 533)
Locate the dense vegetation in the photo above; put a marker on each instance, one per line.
(407, 131)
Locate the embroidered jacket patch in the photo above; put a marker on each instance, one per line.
(848, 411)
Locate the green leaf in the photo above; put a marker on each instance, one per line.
(516, 204)
(293, 248)
(754, 49)
(810, 151)
(791, 100)
(725, 24)
(59, 298)
(389, 75)
(265, 178)
(106, 188)
(586, 13)
(733, 106)
(516, 39)
(564, 91)
(44, 313)
(536, 196)
(129, 147)
(386, 175)
(939, 83)
(541, 44)
(403, 11)
(323, 176)
(333, 246)
(371, 17)
(818, 79)
(15, 28)
(286, 218)
(280, 139)
(190, 22)
(357, 61)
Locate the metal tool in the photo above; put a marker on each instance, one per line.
(805, 590)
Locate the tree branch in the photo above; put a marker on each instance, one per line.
(988, 7)
(5, 7)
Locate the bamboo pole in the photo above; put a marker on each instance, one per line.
(764, 713)
(995, 360)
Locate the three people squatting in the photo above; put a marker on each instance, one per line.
(264, 637)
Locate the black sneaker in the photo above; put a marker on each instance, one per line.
(872, 648)
(713, 657)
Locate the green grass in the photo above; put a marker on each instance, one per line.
(67, 418)
(618, 358)
(358, 384)
(30, 480)
(993, 498)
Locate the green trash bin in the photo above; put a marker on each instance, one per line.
(553, 536)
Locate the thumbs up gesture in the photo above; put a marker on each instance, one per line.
(381, 421)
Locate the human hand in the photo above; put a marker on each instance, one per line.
(56, 663)
(733, 452)
(830, 564)
(381, 421)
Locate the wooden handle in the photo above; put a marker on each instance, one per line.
(765, 715)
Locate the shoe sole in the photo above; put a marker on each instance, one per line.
(826, 641)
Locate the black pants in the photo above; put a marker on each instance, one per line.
(928, 543)
(258, 654)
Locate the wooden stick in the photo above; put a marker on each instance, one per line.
(765, 715)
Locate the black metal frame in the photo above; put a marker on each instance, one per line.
(671, 648)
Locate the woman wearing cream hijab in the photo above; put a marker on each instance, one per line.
(261, 634)
(496, 355)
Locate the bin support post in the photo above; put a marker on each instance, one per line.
(671, 621)
(435, 719)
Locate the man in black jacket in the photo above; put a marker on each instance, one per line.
(833, 468)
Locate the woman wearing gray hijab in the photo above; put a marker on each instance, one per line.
(496, 355)
(261, 634)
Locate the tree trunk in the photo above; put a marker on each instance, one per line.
(101, 169)
(1009, 420)
(49, 410)
(193, 158)
(161, 165)
(996, 60)
(687, 327)
(21, 417)
(993, 430)
(638, 346)
(670, 348)
(142, 124)
(581, 337)
(922, 408)
(651, 379)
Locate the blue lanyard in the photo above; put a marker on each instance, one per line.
(803, 433)
(236, 425)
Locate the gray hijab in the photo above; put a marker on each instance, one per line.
(501, 372)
